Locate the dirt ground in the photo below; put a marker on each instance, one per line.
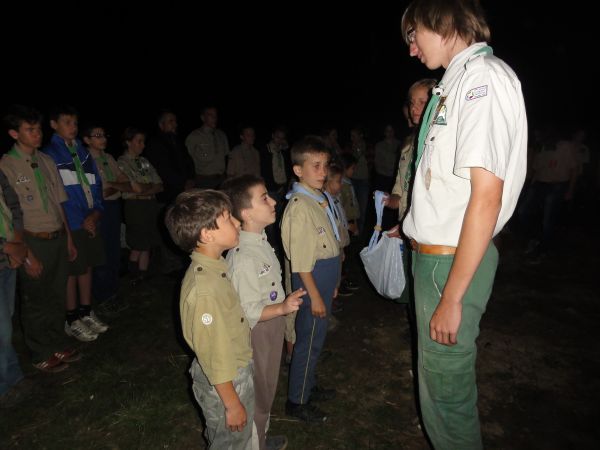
(537, 370)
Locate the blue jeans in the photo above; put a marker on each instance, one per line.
(10, 371)
(105, 280)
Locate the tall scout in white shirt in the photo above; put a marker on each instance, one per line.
(470, 168)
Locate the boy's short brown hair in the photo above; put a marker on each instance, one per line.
(308, 145)
(238, 191)
(192, 212)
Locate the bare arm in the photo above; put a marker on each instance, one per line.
(235, 413)
(317, 304)
(475, 236)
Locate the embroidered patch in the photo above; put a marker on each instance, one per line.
(273, 296)
(320, 231)
(477, 92)
(22, 179)
(265, 269)
(206, 319)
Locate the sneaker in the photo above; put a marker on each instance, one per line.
(321, 394)
(80, 331)
(350, 285)
(68, 355)
(306, 413)
(276, 442)
(51, 365)
(94, 324)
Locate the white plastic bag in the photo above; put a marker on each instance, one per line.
(383, 259)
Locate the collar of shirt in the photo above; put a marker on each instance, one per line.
(216, 265)
(460, 59)
(249, 238)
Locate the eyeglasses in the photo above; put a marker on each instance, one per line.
(410, 36)
(99, 136)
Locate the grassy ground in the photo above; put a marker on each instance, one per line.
(537, 372)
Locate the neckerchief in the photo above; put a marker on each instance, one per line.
(320, 199)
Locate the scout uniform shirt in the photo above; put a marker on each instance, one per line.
(213, 322)
(36, 181)
(306, 232)
(208, 148)
(255, 273)
(479, 121)
(109, 171)
(138, 169)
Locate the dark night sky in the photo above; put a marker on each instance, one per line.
(305, 66)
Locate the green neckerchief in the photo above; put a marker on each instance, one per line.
(432, 106)
(78, 167)
(5, 217)
(39, 177)
(110, 176)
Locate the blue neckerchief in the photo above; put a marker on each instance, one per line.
(336, 208)
(297, 188)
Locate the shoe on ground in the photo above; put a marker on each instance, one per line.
(68, 356)
(350, 285)
(307, 412)
(51, 365)
(80, 331)
(279, 442)
(94, 323)
(321, 394)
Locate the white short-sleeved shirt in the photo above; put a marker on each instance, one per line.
(480, 122)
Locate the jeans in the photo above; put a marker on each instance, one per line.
(10, 371)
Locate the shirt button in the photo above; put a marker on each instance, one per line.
(295, 199)
(273, 283)
(242, 320)
(324, 246)
(199, 269)
(223, 274)
(237, 249)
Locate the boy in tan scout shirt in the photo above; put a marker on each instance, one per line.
(43, 276)
(212, 319)
(256, 275)
(311, 241)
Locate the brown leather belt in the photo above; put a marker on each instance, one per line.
(47, 235)
(426, 249)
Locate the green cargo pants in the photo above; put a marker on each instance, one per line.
(447, 383)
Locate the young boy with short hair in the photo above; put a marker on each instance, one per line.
(83, 210)
(43, 276)
(310, 239)
(256, 275)
(212, 319)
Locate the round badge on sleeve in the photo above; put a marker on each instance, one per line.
(273, 296)
(206, 319)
